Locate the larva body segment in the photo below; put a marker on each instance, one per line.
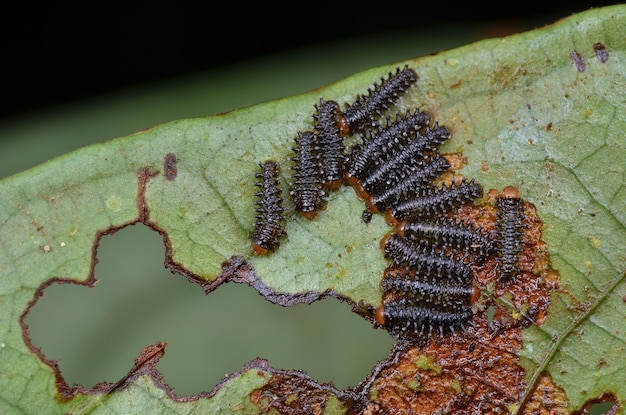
(364, 112)
(449, 234)
(306, 189)
(332, 149)
(421, 257)
(404, 161)
(509, 232)
(269, 218)
(435, 201)
(382, 143)
(409, 187)
(408, 317)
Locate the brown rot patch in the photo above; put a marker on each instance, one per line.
(443, 376)
(476, 372)
(170, 170)
(528, 294)
(547, 399)
(290, 392)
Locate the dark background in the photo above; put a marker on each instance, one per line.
(68, 50)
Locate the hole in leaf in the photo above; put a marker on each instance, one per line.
(491, 312)
(600, 408)
(95, 334)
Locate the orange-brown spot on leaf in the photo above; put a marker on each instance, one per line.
(491, 196)
(456, 160)
(469, 373)
(530, 290)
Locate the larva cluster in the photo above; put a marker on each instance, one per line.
(395, 168)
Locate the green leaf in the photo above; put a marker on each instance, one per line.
(521, 111)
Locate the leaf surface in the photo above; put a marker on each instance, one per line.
(542, 111)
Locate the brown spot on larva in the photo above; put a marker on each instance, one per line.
(342, 125)
(169, 166)
(601, 52)
(578, 61)
(309, 215)
(259, 250)
(549, 126)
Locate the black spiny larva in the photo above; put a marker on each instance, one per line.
(269, 219)
(405, 316)
(418, 303)
(383, 143)
(449, 234)
(434, 201)
(426, 288)
(410, 186)
(404, 161)
(367, 109)
(423, 257)
(332, 150)
(509, 232)
(306, 188)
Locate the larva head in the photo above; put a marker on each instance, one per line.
(510, 192)
(259, 250)
(379, 314)
(475, 293)
(384, 240)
